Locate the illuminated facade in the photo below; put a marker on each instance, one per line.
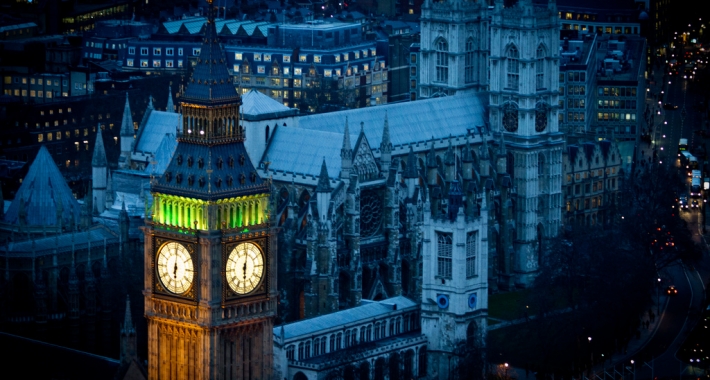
(210, 289)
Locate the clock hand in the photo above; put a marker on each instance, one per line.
(175, 270)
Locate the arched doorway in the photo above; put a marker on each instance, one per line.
(300, 376)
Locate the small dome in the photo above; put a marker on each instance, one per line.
(643, 15)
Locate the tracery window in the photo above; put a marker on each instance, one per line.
(513, 64)
(471, 254)
(541, 118)
(444, 250)
(540, 68)
(468, 77)
(510, 117)
(442, 61)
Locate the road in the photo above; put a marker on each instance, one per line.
(683, 309)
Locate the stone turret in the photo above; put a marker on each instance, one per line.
(346, 154)
(450, 163)
(170, 107)
(99, 173)
(323, 191)
(431, 165)
(128, 336)
(467, 162)
(411, 176)
(127, 135)
(385, 147)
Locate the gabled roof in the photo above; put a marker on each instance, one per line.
(210, 82)
(409, 121)
(42, 189)
(367, 311)
(255, 104)
(299, 151)
(162, 155)
(159, 124)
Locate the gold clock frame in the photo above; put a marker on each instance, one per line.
(262, 289)
(158, 288)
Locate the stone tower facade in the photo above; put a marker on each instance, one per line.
(210, 274)
(523, 107)
(455, 275)
(454, 47)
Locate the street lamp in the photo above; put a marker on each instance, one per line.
(591, 353)
(506, 370)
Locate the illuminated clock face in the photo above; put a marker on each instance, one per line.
(175, 268)
(245, 268)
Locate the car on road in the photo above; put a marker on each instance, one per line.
(683, 202)
(669, 106)
(671, 290)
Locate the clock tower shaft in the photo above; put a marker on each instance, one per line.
(209, 202)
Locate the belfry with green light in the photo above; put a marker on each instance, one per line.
(210, 277)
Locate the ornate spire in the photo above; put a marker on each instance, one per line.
(127, 327)
(323, 180)
(170, 107)
(467, 154)
(484, 147)
(347, 150)
(431, 156)
(99, 159)
(127, 120)
(411, 170)
(449, 159)
(386, 145)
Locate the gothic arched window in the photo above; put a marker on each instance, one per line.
(442, 61)
(469, 78)
(510, 117)
(513, 68)
(540, 68)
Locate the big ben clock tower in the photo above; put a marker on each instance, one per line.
(210, 275)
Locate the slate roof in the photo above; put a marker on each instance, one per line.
(57, 362)
(162, 156)
(409, 122)
(359, 314)
(96, 235)
(302, 151)
(159, 124)
(232, 172)
(254, 104)
(210, 82)
(42, 189)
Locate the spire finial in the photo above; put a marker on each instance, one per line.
(323, 179)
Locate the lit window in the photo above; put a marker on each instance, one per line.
(297, 71)
(169, 51)
(337, 58)
(144, 63)
(169, 63)
(156, 63)
(317, 58)
(261, 69)
(328, 73)
(287, 71)
(267, 57)
(144, 51)
(238, 56)
(179, 63)
(236, 68)
(302, 58)
(180, 51)
(287, 58)
(195, 51)
(131, 50)
(257, 56)
(129, 62)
